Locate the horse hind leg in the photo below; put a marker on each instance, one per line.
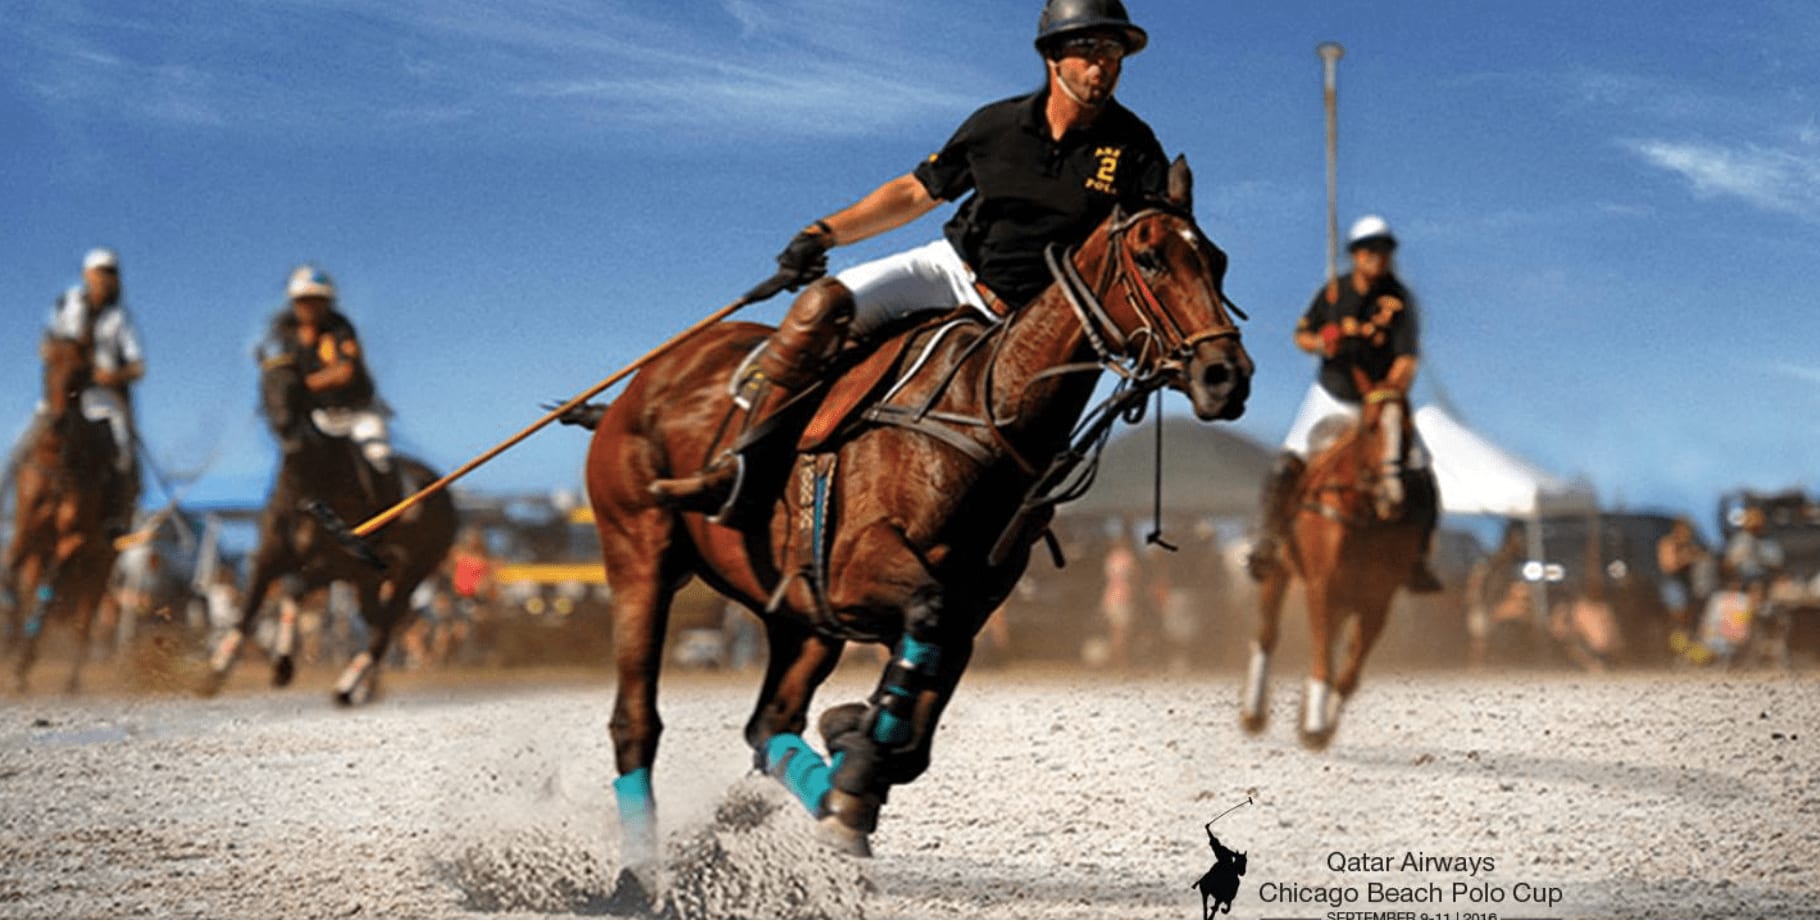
(1366, 629)
(800, 660)
(643, 579)
(84, 606)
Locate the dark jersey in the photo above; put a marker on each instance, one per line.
(334, 341)
(1384, 318)
(1030, 190)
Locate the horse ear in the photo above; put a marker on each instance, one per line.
(1181, 184)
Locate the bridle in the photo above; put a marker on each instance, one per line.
(1369, 472)
(1158, 342)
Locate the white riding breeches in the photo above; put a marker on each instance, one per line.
(930, 277)
(365, 427)
(1318, 407)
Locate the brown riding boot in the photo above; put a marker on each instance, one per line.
(793, 359)
(1274, 513)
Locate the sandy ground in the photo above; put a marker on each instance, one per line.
(1053, 793)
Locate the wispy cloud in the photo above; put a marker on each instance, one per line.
(1783, 180)
(1806, 374)
(740, 68)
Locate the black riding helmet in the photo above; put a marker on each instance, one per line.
(1063, 18)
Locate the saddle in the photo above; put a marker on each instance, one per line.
(853, 397)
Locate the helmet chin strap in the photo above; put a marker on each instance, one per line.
(1071, 94)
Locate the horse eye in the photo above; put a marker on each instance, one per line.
(1151, 261)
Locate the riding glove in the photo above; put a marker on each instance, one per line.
(805, 259)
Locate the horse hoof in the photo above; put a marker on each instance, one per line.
(355, 687)
(283, 672)
(830, 831)
(634, 894)
(1254, 723)
(1316, 740)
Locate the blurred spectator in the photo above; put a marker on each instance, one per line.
(471, 573)
(1752, 563)
(1678, 554)
(1118, 600)
(473, 591)
(1752, 560)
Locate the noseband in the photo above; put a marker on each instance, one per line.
(1161, 342)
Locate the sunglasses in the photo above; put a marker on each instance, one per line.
(1093, 47)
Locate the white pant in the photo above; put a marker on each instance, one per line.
(1319, 407)
(366, 427)
(930, 277)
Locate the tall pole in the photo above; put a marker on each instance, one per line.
(1330, 53)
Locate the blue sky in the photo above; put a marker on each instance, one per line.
(1610, 211)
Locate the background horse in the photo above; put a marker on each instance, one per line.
(61, 554)
(886, 534)
(299, 547)
(1352, 546)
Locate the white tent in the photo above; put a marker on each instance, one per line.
(1479, 478)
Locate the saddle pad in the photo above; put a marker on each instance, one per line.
(856, 389)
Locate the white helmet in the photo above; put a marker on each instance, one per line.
(310, 282)
(1367, 229)
(101, 258)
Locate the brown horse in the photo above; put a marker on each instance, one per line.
(887, 530)
(299, 549)
(1353, 546)
(61, 554)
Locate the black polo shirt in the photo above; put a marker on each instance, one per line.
(335, 341)
(1385, 315)
(1029, 189)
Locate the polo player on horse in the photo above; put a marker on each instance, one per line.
(1042, 168)
(314, 333)
(1363, 321)
(93, 315)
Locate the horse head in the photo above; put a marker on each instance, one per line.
(284, 399)
(1385, 434)
(1159, 303)
(67, 370)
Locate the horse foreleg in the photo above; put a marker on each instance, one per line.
(36, 595)
(1254, 705)
(1319, 705)
(382, 612)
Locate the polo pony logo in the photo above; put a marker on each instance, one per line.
(1220, 885)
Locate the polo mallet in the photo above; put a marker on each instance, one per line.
(355, 539)
(173, 498)
(1330, 53)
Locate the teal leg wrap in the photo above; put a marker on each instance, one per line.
(637, 809)
(790, 759)
(915, 662)
(34, 622)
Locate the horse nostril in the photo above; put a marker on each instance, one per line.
(1218, 375)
